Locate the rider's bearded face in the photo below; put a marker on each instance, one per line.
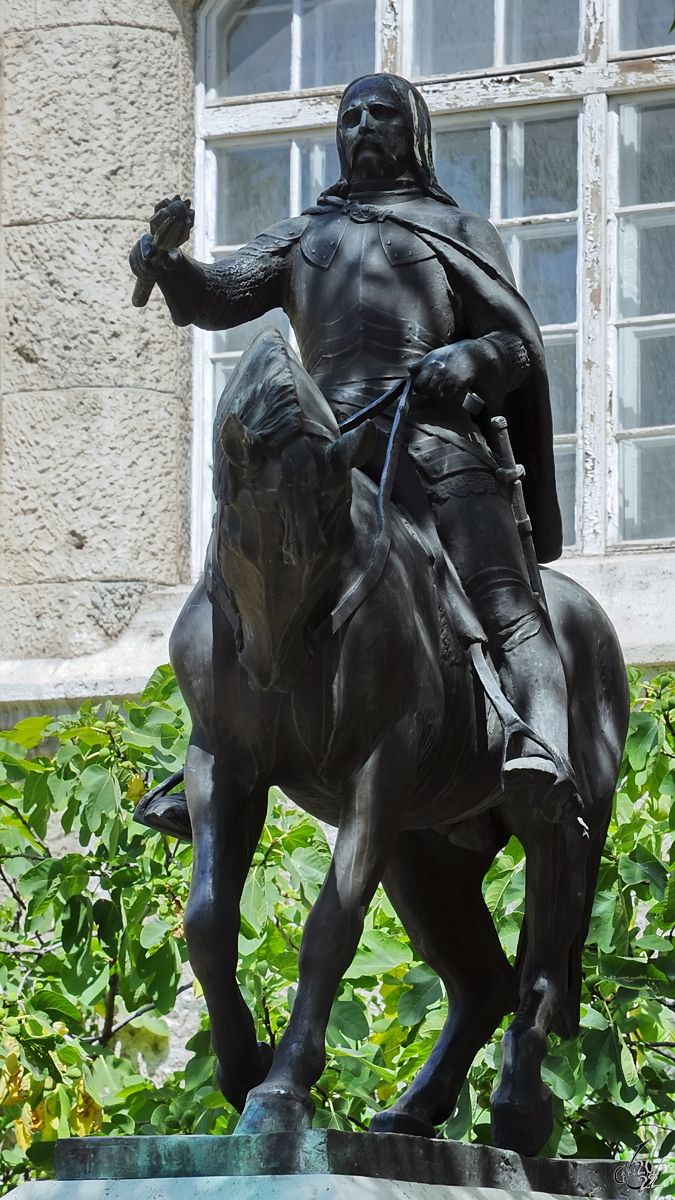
(375, 134)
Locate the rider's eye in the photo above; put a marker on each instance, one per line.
(351, 117)
(382, 111)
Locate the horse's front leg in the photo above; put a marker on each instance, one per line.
(227, 818)
(521, 1104)
(368, 828)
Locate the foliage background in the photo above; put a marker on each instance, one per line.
(92, 940)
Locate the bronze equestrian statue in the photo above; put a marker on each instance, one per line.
(364, 558)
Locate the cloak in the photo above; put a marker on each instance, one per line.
(473, 257)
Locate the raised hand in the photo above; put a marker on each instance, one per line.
(170, 227)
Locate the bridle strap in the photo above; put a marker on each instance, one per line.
(347, 606)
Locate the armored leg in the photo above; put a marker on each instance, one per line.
(480, 535)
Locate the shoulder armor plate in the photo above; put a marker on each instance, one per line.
(322, 237)
(283, 234)
(401, 246)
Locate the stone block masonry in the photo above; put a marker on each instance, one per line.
(97, 123)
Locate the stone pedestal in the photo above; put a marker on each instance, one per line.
(318, 1165)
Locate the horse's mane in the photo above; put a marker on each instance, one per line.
(273, 396)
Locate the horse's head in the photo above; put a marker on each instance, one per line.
(282, 477)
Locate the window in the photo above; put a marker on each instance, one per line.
(258, 46)
(258, 183)
(521, 172)
(645, 321)
(645, 23)
(538, 125)
(467, 35)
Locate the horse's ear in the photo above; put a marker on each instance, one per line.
(241, 445)
(353, 449)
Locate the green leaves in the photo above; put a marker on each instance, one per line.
(99, 929)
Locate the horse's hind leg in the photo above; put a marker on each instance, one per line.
(227, 820)
(555, 899)
(435, 887)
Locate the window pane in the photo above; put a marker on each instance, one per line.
(239, 338)
(646, 23)
(320, 167)
(222, 369)
(462, 158)
(647, 481)
(252, 191)
(338, 41)
(254, 47)
(538, 29)
(539, 167)
(566, 484)
(548, 277)
(561, 360)
(647, 266)
(647, 161)
(647, 377)
(452, 35)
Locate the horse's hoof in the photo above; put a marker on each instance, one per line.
(389, 1121)
(525, 1129)
(276, 1108)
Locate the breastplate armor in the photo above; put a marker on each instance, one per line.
(368, 298)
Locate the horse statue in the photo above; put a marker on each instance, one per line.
(375, 724)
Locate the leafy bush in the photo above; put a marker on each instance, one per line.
(91, 941)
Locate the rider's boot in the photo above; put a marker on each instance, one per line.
(532, 676)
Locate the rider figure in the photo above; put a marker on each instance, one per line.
(387, 278)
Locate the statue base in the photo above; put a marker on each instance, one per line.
(321, 1164)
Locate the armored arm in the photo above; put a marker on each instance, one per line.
(239, 288)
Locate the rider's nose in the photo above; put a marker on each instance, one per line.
(365, 121)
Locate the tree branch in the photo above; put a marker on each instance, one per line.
(131, 1017)
(33, 834)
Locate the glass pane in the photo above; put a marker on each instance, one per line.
(647, 488)
(539, 167)
(647, 372)
(320, 167)
(240, 337)
(253, 190)
(561, 360)
(538, 29)
(647, 163)
(452, 35)
(222, 369)
(462, 158)
(566, 484)
(338, 41)
(254, 47)
(647, 266)
(548, 277)
(646, 23)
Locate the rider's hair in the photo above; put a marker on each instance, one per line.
(413, 106)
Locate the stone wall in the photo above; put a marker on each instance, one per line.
(96, 124)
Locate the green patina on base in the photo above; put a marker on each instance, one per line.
(328, 1152)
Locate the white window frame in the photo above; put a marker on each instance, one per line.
(616, 321)
(595, 82)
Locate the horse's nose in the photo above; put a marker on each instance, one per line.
(262, 670)
(273, 668)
